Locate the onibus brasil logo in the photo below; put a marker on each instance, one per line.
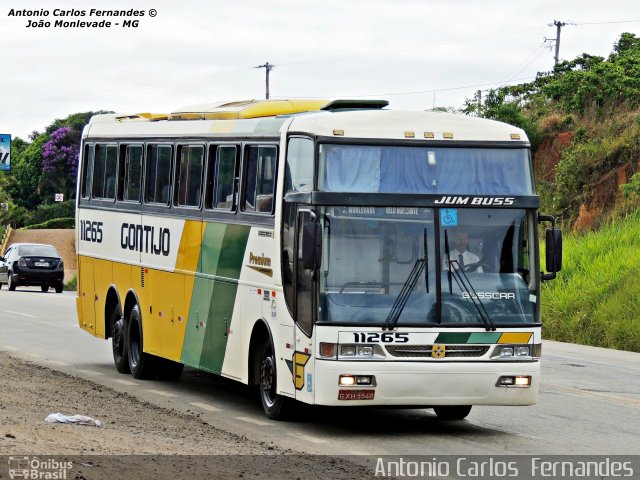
(40, 469)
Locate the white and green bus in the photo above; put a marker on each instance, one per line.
(329, 252)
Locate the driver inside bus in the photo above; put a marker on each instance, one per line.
(461, 254)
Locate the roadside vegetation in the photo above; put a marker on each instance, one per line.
(583, 120)
(72, 285)
(595, 299)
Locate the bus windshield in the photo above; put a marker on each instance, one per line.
(427, 170)
(382, 265)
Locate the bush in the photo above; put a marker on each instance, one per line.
(66, 222)
(48, 211)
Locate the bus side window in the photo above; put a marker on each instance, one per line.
(299, 169)
(104, 172)
(189, 175)
(222, 178)
(260, 179)
(87, 170)
(130, 173)
(158, 174)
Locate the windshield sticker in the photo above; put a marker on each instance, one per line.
(449, 217)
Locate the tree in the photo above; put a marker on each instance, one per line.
(60, 162)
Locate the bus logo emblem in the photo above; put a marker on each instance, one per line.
(438, 351)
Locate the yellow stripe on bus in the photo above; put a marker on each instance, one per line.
(513, 337)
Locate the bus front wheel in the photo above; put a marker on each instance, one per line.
(140, 363)
(275, 406)
(456, 412)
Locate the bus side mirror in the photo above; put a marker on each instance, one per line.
(553, 246)
(311, 245)
(554, 250)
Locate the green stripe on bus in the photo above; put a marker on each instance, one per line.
(222, 252)
(452, 337)
(484, 337)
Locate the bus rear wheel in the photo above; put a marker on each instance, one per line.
(275, 406)
(141, 364)
(454, 412)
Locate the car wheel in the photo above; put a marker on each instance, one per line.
(454, 412)
(141, 364)
(119, 343)
(59, 288)
(10, 283)
(44, 288)
(275, 406)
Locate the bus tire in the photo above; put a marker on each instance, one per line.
(141, 364)
(276, 407)
(119, 342)
(452, 412)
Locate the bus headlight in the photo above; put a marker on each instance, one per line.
(516, 352)
(360, 352)
(517, 381)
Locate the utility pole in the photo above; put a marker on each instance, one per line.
(479, 95)
(559, 26)
(268, 67)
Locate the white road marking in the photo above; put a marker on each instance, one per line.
(308, 438)
(21, 314)
(630, 402)
(125, 382)
(162, 393)
(251, 420)
(205, 406)
(90, 372)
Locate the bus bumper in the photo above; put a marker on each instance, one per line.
(426, 383)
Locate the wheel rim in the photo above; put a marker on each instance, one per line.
(267, 380)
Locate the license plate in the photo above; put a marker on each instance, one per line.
(356, 394)
(41, 264)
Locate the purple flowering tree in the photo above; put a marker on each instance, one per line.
(60, 161)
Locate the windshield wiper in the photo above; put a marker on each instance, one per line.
(464, 284)
(403, 296)
(425, 246)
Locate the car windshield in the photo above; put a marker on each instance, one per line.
(37, 250)
(384, 265)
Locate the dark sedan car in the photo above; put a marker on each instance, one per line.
(32, 264)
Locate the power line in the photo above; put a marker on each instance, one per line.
(416, 92)
(606, 23)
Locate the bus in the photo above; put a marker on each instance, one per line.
(330, 252)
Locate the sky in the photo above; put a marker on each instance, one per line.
(415, 53)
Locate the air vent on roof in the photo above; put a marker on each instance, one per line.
(356, 105)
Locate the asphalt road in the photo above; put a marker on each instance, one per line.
(589, 402)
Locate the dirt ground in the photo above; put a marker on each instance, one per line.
(137, 439)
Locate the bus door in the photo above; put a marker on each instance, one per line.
(306, 306)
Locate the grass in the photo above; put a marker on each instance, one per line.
(595, 300)
(72, 285)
